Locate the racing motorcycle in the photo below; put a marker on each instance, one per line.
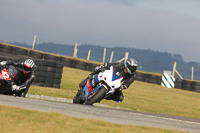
(8, 74)
(99, 87)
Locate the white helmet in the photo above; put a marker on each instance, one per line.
(131, 65)
(28, 65)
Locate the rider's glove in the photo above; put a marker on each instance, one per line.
(100, 68)
(122, 87)
(3, 63)
(15, 87)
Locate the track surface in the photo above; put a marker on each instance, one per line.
(106, 114)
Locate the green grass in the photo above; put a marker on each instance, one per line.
(18, 120)
(140, 96)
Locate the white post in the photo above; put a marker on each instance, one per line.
(192, 74)
(111, 57)
(104, 55)
(75, 51)
(33, 46)
(88, 58)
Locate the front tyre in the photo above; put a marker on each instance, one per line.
(77, 99)
(102, 91)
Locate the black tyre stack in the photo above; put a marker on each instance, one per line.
(36, 54)
(81, 65)
(50, 67)
(68, 62)
(186, 84)
(140, 76)
(155, 79)
(178, 83)
(6, 49)
(92, 66)
(48, 73)
(195, 86)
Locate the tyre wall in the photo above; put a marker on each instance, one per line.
(48, 71)
(49, 67)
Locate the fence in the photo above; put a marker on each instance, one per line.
(49, 70)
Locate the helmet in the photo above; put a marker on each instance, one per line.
(28, 65)
(131, 65)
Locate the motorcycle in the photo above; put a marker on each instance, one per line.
(99, 87)
(8, 74)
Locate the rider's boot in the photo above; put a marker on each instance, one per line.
(83, 83)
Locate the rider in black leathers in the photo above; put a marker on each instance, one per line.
(26, 70)
(126, 70)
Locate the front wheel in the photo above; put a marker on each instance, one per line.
(77, 99)
(97, 96)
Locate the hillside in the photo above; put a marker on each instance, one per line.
(149, 60)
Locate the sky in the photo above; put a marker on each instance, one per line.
(161, 25)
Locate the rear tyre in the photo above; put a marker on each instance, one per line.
(97, 96)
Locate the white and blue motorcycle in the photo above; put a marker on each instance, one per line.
(99, 87)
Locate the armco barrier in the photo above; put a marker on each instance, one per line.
(49, 70)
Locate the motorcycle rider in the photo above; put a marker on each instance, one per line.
(126, 70)
(26, 70)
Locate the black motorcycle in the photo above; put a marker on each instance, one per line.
(8, 76)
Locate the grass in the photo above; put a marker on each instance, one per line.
(18, 120)
(140, 96)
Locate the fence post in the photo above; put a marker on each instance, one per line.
(174, 68)
(104, 55)
(192, 74)
(75, 51)
(111, 57)
(88, 58)
(33, 46)
(126, 56)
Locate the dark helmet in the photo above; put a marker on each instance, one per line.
(131, 65)
(28, 65)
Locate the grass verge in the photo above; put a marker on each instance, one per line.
(140, 96)
(18, 120)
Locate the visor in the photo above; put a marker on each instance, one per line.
(27, 69)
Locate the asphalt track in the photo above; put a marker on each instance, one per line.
(106, 114)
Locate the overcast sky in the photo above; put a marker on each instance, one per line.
(162, 25)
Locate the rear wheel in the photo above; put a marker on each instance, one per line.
(97, 96)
